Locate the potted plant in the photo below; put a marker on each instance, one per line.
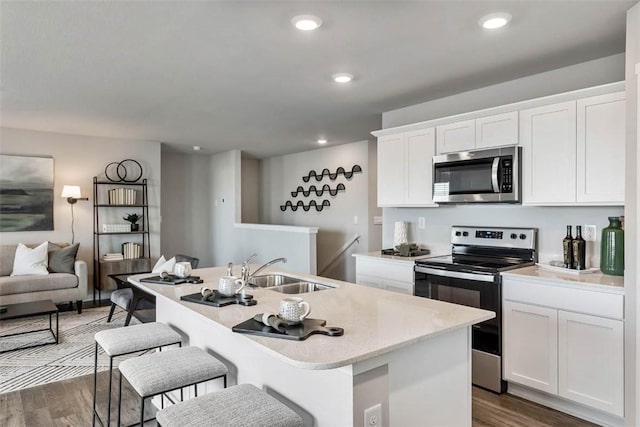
(133, 218)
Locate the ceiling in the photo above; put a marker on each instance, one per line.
(237, 75)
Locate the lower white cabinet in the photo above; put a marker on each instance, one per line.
(571, 354)
(392, 275)
(591, 361)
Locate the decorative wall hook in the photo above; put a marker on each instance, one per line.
(319, 191)
(332, 176)
(306, 208)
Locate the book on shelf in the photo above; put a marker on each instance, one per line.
(116, 228)
(122, 196)
(115, 256)
(131, 250)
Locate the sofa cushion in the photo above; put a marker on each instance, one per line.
(7, 254)
(23, 284)
(29, 261)
(62, 259)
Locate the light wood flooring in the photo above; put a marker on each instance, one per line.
(69, 402)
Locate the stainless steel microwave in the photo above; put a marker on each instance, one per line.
(489, 176)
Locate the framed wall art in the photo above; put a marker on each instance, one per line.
(26, 193)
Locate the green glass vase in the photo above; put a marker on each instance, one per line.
(612, 248)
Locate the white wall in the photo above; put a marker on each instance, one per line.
(592, 73)
(186, 221)
(282, 175)
(632, 255)
(77, 159)
(250, 169)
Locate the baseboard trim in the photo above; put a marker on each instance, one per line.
(565, 406)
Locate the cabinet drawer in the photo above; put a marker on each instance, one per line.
(564, 298)
(399, 271)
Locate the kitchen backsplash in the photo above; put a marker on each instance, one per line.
(550, 221)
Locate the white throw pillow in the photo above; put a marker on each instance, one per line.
(164, 265)
(30, 261)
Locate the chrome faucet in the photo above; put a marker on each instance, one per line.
(246, 273)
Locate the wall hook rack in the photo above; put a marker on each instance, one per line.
(332, 176)
(300, 204)
(319, 191)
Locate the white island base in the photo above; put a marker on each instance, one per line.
(424, 384)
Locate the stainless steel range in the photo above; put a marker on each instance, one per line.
(471, 276)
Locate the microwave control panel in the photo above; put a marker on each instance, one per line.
(506, 164)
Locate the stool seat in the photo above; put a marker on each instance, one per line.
(123, 298)
(241, 405)
(156, 373)
(116, 342)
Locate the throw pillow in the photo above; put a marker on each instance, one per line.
(30, 261)
(164, 265)
(62, 258)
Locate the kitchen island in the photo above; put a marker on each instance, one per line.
(410, 355)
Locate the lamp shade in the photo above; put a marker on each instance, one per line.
(72, 191)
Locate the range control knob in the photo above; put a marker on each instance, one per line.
(523, 236)
(514, 236)
(465, 233)
(458, 233)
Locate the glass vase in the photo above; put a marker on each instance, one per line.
(612, 248)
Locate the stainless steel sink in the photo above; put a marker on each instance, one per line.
(286, 284)
(300, 288)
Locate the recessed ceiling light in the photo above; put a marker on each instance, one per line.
(306, 22)
(494, 20)
(322, 141)
(342, 77)
(196, 148)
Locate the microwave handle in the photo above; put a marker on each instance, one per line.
(494, 174)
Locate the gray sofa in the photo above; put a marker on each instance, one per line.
(58, 287)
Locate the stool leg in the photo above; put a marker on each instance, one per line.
(224, 379)
(196, 387)
(95, 384)
(109, 399)
(141, 411)
(119, 398)
(113, 308)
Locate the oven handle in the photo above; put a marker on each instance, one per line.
(481, 277)
(494, 174)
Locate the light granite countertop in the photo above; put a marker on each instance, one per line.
(593, 281)
(375, 321)
(378, 256)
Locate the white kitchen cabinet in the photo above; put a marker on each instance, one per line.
(565, 341)
(384, 273)
(573, 152)
(591, 361)
(405, 172)
(531, 346)
(497, 130)
(600, 149)
(458, 136)
(548, 139)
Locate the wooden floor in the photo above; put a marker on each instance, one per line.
(69, 402)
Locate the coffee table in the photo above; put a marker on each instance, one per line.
(31, 309)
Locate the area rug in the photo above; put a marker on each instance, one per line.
(72, 357)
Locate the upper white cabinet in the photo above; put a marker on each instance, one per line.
(548, 139)
(600, 148)
(573, 152)
(405, 171)
(485, 132)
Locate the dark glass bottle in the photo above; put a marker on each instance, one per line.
(612, 248)
(579, 250)
(567, 249)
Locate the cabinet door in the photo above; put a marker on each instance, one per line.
(420, 148)
(458, 136)
(397, 286)
(591, 361)
(497, 130)
(531, 346)
(373, 282)
(600, 149)
(391, 170)
(548, 138)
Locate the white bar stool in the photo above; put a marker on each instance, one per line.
(123, 341)
(241, 405)
(158, 373)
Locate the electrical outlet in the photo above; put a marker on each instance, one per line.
(373, 416)
(421, 224)
(590, 233)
